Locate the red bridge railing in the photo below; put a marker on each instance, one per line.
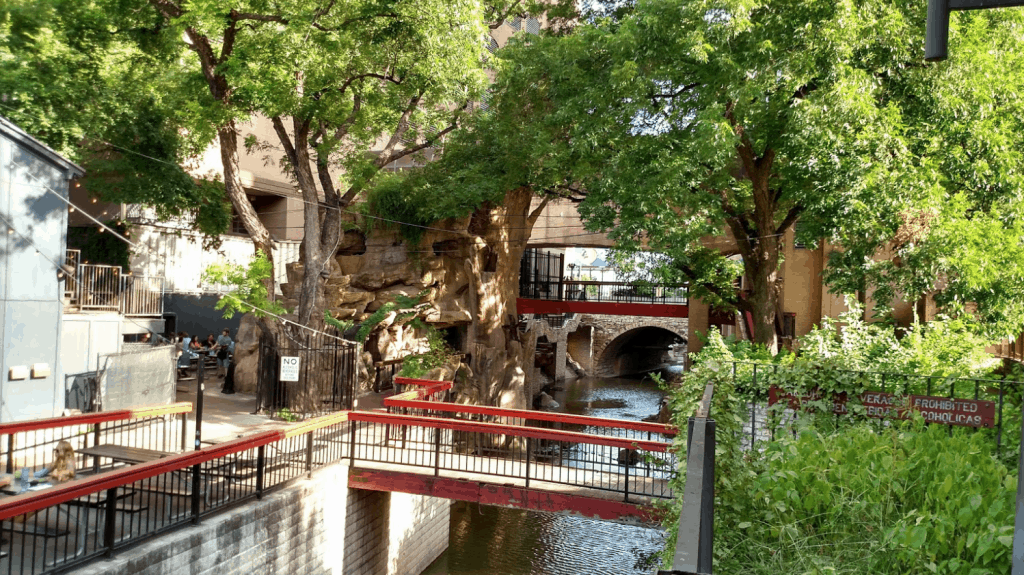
(60, 527)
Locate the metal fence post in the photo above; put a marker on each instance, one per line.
(529, 448)
(261, 469)
(437, 452)
(1018, 519)
(10, 453)
(309, 453)
(109, 519)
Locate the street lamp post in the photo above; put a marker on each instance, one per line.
(936, 42)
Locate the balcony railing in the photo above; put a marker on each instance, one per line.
(101, 288)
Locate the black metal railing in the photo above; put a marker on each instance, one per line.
(763, 385)
(33, 449)
(540, 274)
(534, 455)
(328, 373)
(102, 511)
(92, 519)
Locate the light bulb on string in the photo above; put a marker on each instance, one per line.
(71, 210)
(94, 200)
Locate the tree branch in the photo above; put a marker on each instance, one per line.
(502, 17)
(790, 219)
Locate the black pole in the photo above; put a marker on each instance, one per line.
(110, 515)
(936, 42)
(261, 469)
(197, 469)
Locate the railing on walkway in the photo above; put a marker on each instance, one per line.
(68, 525)
(694, 541)
(412, 404)
(603, 292)
(384, 373)
(31, 443)
(92, 287)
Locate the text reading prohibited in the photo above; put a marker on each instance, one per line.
(289, 368)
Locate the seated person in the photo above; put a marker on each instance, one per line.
(62, 468)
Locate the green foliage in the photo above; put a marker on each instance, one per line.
(367, 325)
(850, 498)
(944, 347)
(439, 354)
(248, 293)
(99, 247)
(902, 500)
(682, 119)
(94, 80)
(341, 325)
(287, 415)
(401, 302)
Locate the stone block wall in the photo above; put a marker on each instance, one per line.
(315, 527)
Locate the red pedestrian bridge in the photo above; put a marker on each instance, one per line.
(138, 480)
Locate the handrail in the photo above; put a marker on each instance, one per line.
(413, 400)
(512, 430)
(694, 542)
(35, 501)
(396, 401)
(92, 418)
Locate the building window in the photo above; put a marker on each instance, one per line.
(789, 325)
(237, 227)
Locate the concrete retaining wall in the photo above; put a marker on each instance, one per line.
(316, 526)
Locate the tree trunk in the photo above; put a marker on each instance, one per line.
(500, 355)
(261, 239)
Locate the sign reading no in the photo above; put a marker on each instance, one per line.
(289, 368)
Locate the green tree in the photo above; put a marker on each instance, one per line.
(684, 119)
(93, 81)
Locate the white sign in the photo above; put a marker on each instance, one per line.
(289, 368)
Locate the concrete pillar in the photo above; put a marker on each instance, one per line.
(560, 346)
(580, 345)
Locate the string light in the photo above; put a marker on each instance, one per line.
(10, 231)
(94, 200)
(71, 209)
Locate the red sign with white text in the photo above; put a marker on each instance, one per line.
(944, 410)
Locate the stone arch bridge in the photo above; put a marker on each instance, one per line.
(612, 345)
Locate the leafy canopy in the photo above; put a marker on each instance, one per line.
(95, 81)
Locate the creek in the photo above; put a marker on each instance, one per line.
(494, 540)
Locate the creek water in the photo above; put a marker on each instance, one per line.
(497, 541)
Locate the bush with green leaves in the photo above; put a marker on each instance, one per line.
(833, 495)
(439, 354)
(902, 499)
(248, 292)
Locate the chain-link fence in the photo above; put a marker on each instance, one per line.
(136, 377)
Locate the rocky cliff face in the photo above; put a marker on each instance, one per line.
(467, 272)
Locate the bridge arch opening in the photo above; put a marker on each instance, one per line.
(638, 350)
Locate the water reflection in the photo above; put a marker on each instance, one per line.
(493, 540)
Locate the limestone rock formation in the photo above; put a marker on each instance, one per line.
(465, 272)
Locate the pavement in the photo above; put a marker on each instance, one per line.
(231, 416)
